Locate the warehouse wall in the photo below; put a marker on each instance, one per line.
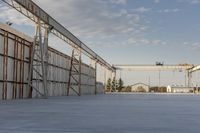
(13, 66)
(15, 49)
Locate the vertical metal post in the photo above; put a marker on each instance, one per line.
(95, 80)
(23, 68)
(94, 65)
(80, 65)
(14, 69)
(20, 69)
(45, 60)
(159, 79)
(105, 80)
(189, 78)
(5, 66)
(39, 60)
(75, 72)
(185, 78)
(30, 73)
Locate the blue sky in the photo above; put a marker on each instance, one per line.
(126, 31)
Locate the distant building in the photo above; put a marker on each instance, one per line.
(176, 89)
(140, 87)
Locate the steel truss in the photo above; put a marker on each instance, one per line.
(186, 68)
(39, 61)
(74, 81)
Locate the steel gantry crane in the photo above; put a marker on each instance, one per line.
(46, 24)
(158, 67)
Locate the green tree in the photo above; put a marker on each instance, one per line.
(114, 84)
(120, 84)
(108, 86)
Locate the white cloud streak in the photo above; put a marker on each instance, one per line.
(156, 1)
(118, 1)
(169, 10)
(142, 10)
(190, 1)
(93, 18)
(191, 45)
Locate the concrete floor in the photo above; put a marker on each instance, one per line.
(125, 113)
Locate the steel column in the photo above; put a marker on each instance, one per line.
(105, 79)
(39, 60)
(74, 73)
(93, 63)
(14, 96)
(5, 66)
(189, 76)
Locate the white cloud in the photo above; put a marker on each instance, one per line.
(89, 19)
(195, 45)
(119, 1)
(144, 41)
(190, 1)
(169, 10)
(191, 45)
(142, 9)
(132, 41)
(156, 1)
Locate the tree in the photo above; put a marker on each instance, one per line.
(114, 84)
(108, 86)
(120, 84)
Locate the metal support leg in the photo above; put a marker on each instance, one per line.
(39, 58)
(5, 66)
(74, 81)
(105, 80)
(94, 65)
(95, 76)
(189, 75)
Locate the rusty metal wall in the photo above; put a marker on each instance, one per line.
(14, 66)
(58, 74)
(14, 69)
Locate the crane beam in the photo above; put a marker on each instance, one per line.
(194, 69)
(33, 12)
(153, 67)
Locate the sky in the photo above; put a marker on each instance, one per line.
(126, 31)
